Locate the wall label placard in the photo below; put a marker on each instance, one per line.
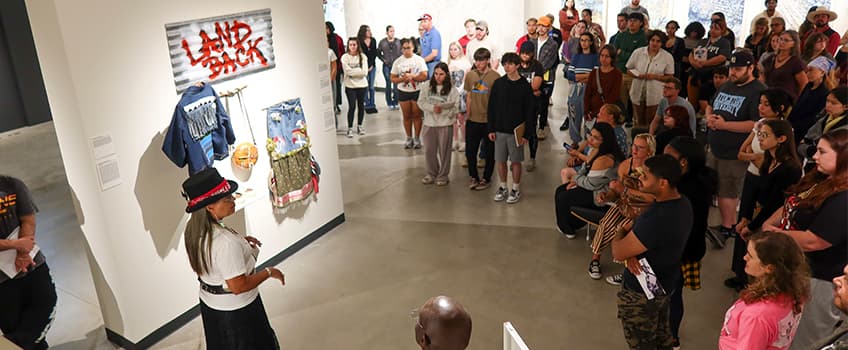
(220, 48)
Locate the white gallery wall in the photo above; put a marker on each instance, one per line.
(107, 71)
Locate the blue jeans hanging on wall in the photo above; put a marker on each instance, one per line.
(369, 92)
(294, 172)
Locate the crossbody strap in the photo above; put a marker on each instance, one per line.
(598, 81)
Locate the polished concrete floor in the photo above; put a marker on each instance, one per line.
(402, 242)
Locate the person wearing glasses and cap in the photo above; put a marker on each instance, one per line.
(225, 262)
(431, 43)
(482, 40)
(442, 323)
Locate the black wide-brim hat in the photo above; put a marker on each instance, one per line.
(206, 187)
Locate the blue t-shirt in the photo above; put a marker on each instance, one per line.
(431, 40)
(664, 229)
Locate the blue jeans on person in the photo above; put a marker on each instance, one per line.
(369, 92)
(391, 88)
(575, 110)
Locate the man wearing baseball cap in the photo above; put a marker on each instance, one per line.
(431, 43)
(730, 118)
(481, 40)
(821, 17)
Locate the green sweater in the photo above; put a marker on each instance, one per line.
(626, 42)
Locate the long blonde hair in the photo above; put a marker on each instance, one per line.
(198, 240)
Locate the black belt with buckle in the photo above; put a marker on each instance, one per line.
(212, 289)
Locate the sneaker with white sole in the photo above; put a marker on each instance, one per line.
(500, 195)
(595, 270)
(442, 182)
(416, 143)
(360, 130)
(408, 143)
(514, 197)
(616, 279)
(482, 185)
(350, 133)
(567, 235)
(427, 180)
(473, 183)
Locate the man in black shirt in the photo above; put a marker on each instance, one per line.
(652, 250)
(27, 295)
(510, 105)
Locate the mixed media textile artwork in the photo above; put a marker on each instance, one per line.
(200, 130)
(220, 48)
(294, 171)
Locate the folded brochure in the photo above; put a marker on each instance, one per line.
(8, 256)
(648, 280)
(519, 134)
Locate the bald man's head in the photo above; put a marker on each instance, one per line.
(443, 324)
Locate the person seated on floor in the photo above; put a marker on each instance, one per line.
(443, 324)
(581, 189)
(629, 201)
(767, 312)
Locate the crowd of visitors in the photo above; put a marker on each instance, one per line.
(757, 129)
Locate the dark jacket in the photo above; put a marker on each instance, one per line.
(510, 104)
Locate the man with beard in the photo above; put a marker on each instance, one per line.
(730, 118)
(821, 17)
(839, 338)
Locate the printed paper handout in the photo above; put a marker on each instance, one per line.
(648, 280)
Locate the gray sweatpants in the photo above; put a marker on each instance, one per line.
(437, 150)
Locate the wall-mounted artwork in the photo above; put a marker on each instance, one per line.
(220, 48)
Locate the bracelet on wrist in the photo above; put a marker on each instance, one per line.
(268, 270)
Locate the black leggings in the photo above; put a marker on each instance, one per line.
(355, 95)
(564, 200)
(27, 308)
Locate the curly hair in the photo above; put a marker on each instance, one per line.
(789, 274)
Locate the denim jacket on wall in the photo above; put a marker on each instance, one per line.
(200, 130)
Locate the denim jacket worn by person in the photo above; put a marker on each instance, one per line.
(200, 130)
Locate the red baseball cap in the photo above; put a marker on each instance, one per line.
(425, 16)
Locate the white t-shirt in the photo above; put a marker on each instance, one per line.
(231, 257)
(458, 69)
(414, 65)
(331, 56)
(488, 43)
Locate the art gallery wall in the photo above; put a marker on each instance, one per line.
(107, 71)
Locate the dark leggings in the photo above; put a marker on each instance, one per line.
(564, 200)
(541, 111)
(676, 309)
(356, 95)
(27, 308)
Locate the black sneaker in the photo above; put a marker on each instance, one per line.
(616, 279)
(595, 270)
(717, 239)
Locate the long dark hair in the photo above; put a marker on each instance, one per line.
(789, 275)
(696, 162)
(825, 185)
(358, 49)
(785, 152)
(447, 85)
(609, 145)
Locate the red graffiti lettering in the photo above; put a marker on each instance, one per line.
(226, 52)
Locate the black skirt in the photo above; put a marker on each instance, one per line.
(243, 329)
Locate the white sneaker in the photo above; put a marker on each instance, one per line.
(461, 146)
(350, 133)
(500, 195)
(408, 143)
(427, 180)
(416, 143)
(360, 130)
(514, 197)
